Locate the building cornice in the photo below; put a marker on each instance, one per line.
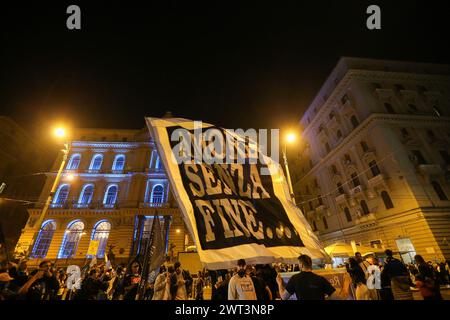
(361, 74)
(365, 125)
(110, 145)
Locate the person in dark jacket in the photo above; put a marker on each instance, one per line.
(90, 287)
(45, 287)
(395, 280)
(426, 281)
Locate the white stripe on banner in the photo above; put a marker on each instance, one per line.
(232, 210)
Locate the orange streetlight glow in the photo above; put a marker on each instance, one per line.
(60, 132)
(290, 137)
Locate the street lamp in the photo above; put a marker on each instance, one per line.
(290, 138)
(61, 134)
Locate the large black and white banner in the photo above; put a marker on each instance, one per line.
(234, 207)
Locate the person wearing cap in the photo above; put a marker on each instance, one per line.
(5, 280)
(241, 285)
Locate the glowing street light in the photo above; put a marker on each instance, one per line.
(60, 132)
(290, 138)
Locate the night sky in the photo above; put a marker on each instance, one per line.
(236, 64)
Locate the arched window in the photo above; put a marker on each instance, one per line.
(354, 122)
(348, 216)
(71, 239)
(86, 195)
(61, 195)
(44, 239)
(157, 194)
(119, 162)
(364, 207)
(387, 200)
(74, 162)
(314, 226)
(96, 162)
(158, 163)
(101, 234)
(110, 196)
(439, 191)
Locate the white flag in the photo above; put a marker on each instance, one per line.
(231, 209)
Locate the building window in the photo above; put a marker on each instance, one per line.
(364, 146)
(325, 223)
(412, 108)
(405, 133)
(344, 99)
(334, 169)
(445, 156)
(157, 194)
(340, 188)
(314, 226)
(439, 191)
(96, 162)
(418, 157)
(399, 87)
(74, 162)
(437, 111)
(347, 158)
(354, 121)
(61, 195)
(311, 206)
(355, 180)
(374, 168)
(339, 134)
(71, 239)
(119, 162)
(389, 108)
(110, 196)
(124, 139)
(101, 234)
(387, 200)
(348, 216)
(44, 239)
(320, 200)
(431, 135)
(327, 147)
(364, 207)
(86, 195)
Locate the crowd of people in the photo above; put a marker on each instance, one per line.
(394, 280)
(372, 279)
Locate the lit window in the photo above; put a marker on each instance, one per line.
(110, 196)
(157, 194)
(44, 239)
(86, 195)
(96, 162)
(74, 162)
(71, 239)
(119, 162)
(61, 195)
(101, 234)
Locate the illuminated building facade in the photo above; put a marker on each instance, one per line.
(374, 168)
(112, 186)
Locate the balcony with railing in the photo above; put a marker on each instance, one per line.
(97, 205)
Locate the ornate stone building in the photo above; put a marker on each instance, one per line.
(112, 187)
(374, 165)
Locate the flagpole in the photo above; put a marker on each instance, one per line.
(147, 256)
